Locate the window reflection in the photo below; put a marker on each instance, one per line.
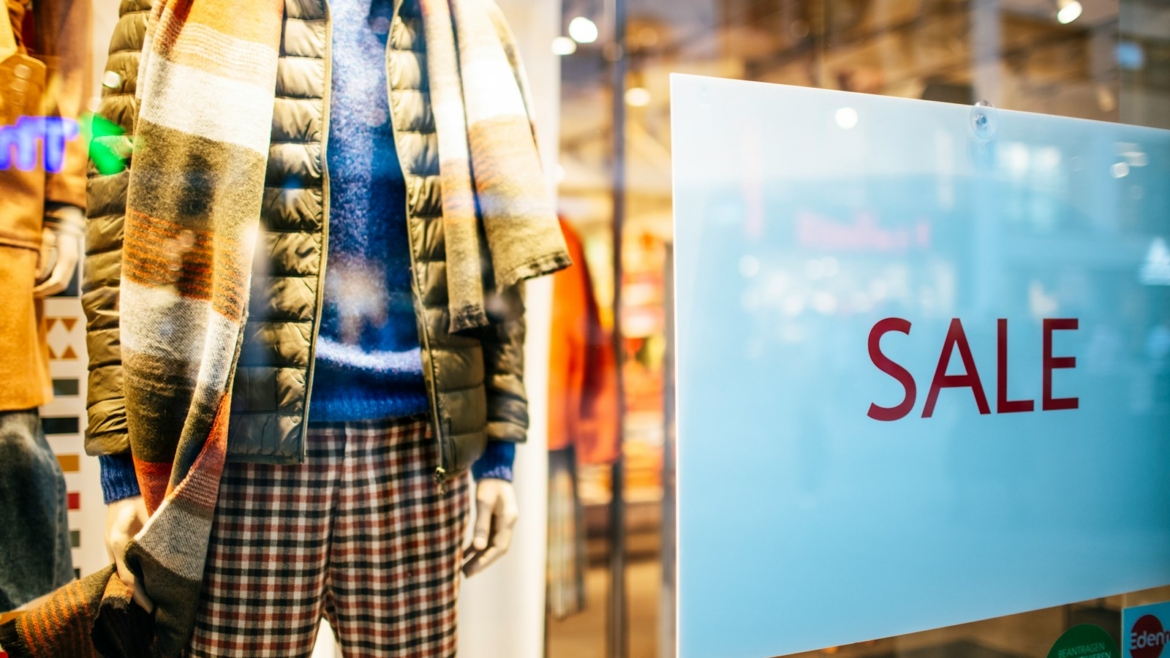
(1090, 59)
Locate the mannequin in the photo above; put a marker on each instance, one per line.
(344, 379)
(41, 200)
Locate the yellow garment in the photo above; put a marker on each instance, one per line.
(7, 40)
(24, 353)
(30, 199)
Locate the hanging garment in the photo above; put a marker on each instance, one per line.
(582, 390)
(582, 423)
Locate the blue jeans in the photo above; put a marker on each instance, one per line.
(35, 555)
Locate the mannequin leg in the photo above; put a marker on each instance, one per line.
(393, 576)
(33, 514)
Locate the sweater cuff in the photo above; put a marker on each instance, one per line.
(496, 461)
(118, 478)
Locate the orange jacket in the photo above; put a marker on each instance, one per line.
(582, 400)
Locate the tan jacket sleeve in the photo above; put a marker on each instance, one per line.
(106, 211)
(63, 29)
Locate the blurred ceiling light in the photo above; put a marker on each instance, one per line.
(583, 30)
(648, 37)
(563, 46)
(846, 117)
(1069, 11)
(637, 97)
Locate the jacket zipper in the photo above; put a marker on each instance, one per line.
(420, 310)
(325, 116)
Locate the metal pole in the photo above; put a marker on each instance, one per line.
(618, 617)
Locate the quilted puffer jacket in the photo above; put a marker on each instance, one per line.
(475, 382)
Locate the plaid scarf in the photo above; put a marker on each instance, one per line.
(206, 90)
(489, 167)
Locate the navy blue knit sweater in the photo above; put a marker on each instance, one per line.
(368, 363)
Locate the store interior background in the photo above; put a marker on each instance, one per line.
(1109, 61)
(1106, 60)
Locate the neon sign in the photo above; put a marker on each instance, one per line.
(19, 143)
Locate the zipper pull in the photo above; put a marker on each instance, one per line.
(441, 480)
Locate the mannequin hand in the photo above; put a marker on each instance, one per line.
(124, 518)
(55, 272)
(496, 513)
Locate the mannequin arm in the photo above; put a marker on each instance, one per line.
(503, 356)
(507, 411)
(63, 34)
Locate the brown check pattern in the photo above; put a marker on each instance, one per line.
(358, 533)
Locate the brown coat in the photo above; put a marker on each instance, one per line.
(52, 51)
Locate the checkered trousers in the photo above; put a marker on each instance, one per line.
(358, 533)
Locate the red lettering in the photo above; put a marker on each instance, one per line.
(1002, 404)
(892, 369)
(1053, 362)
(956, 339)
(969, 379)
